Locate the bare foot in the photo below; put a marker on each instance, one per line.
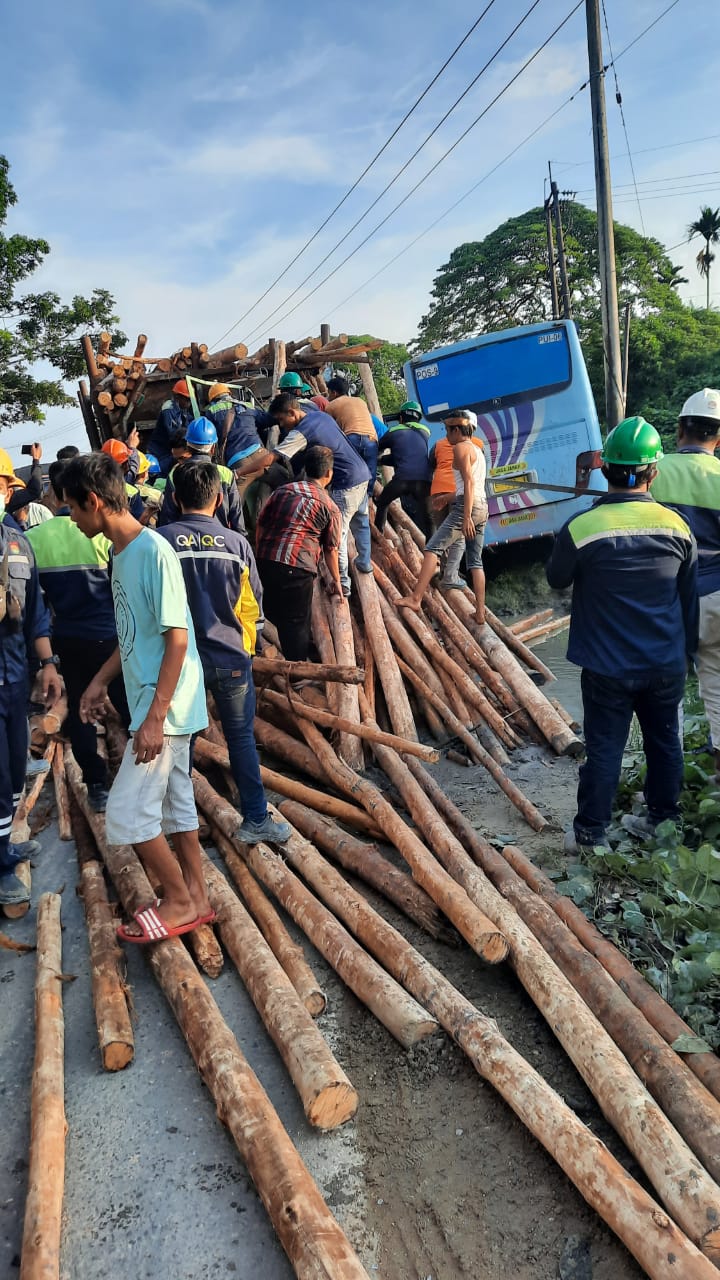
(480, 619)
(409, 602)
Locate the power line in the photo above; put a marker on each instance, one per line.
(434, 167)
(618, 99)
(645, 30)
(258, 328)
(364, 173)
(673, 177)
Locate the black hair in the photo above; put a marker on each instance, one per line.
(340, 385)
(56, 471)
(700, 428)
(465, 427)
(196, 483)
(96, 473)
(177, 439)
(283, 403)
(318, 461)
(626, 477)
(67, 452)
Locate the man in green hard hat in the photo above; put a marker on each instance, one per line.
(293, 385)
(633, 625)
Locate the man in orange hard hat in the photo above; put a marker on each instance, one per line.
(174, 416)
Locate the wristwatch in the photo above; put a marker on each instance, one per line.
(52, 661)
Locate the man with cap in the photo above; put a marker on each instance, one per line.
(632, 564)
(24, 633)
(405, 449)
(174, 416)
(236, 425)
(689, 481)
(201, 439)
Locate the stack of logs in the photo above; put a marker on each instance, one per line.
(539, 626)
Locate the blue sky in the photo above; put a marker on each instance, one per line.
(180, 152)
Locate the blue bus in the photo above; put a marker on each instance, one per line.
(531, 392)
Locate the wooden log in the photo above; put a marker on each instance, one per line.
(46, 1171)
(287, 749)
(279, 366)
(398, 706)
(107, 967)
(561, 738)
(478, 753)
(206, 950)
(120, 401)
(307, 671)
(61, 796)
(349, 746)
(369, 389)
(119, 384)
(47, 724)
(402, 1017)
(565, 715)
(322, 636)
(513, 643)
(295, 706)
(140, 346)
(532, 620)
(105, 399)
(367, 863)
(321, 802)
(327, 1096)
(20, 830)
(536, 634)
(289, 954)
(657, 1146)
(309, 1234)
(475, 927)
(660, 1015)
(324, 335)
(16, 910)
(228, 356)
(626, 1207)
(90, 361)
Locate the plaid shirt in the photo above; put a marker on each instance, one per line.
(296, 523)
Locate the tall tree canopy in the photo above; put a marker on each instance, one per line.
(707, 225)
(39, 327)
(503, 280)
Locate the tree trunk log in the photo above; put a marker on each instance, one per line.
(350, 749)
(206, 950)
(61, 796)
(46, 1172)
(327, 1095)
(370, 733)
(398, 706)
(660, 1015)
(402, 1017)
(367, 863)
(323, 639)
(289, 954)
(661, 1152)
(532, 620)
(321, 802)
(663, 1250)
(308, 671)
(294, 753)
(278, 367)
(546, 630)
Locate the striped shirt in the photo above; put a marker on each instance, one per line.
(298, 521)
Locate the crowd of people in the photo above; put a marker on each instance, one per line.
(145, 578)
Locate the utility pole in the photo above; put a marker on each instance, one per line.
(562, 260)
(551, 259)
(626, 355)
(614, 408)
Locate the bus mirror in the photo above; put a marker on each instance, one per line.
(585, 463)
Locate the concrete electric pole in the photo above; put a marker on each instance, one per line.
(614, 401)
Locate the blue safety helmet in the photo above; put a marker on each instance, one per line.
(201, 435)
(154, 467)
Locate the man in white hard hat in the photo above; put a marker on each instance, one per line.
(689, 481)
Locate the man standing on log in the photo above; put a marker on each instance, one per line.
(466, 519)
(301, 429)
(174, 416)
(298, 523)
(633, 626)
(152, 795)
(689, 481)
(225, 599)
(24, 633)
(405, 449)
(355, 421)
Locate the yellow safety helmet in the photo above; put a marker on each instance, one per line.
(8, 471)
(218, 389)
(143, 463)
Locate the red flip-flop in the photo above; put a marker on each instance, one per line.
(210, 918)
(154, 929)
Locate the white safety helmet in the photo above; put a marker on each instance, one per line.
(702, 412)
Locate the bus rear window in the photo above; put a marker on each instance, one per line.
(495, 374)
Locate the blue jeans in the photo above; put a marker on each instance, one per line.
(368, 450)
(234, 694)
(13, 763)
(608, 706)
(353, 507)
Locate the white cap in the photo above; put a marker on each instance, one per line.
(468, 413)
(704, 404)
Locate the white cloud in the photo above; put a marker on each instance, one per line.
(292, 154)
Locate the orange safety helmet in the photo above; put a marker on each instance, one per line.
(218, 389)
(118, 450)
(181, 389)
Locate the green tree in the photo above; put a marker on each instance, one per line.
(707, 225)
(38, 327)
(387, 367)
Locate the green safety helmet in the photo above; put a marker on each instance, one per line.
(633, 443)
(306, 388)
(411, 410)
(290, 382)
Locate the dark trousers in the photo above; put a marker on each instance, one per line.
(287, 602)
(234, 694)
(80, 660)
(13, 763)
(368, 450)
(608, 706)
(414, 498)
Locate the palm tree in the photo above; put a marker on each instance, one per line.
(706, 225)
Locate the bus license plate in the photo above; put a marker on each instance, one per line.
(511, 484)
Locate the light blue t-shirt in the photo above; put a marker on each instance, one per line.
(149, 597)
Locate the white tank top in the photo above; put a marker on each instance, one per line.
(479, 471)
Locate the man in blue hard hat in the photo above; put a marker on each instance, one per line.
(201, 439)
